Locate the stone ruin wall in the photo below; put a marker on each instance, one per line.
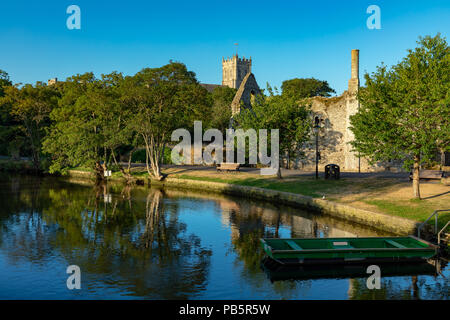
(334, 135)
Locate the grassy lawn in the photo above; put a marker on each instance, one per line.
(306, 186)
(418, 210)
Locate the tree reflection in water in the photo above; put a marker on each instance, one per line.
(146, 250)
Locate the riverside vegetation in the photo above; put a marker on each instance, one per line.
(98, 123)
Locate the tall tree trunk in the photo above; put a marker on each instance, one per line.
(288, 160)
(36, 160)
(279, 173)
(129, 159)
(416, 177)
(152, 155)
(99, 170)
(147, 155)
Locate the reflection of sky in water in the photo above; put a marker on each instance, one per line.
(206, 238)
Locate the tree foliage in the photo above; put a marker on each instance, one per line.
(29, 108)
(221, 107)
(4, 81)
(87, 124)
(279, 112)
(98, 118)
(306, 88)
(405, 110)
(163, 99)
(8, 127)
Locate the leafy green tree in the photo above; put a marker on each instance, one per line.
(306, 88)
(115, 118)
(30, 107)
(163, 99)
(4, 81)
(89, 123)
(221, 109)
(405, 111)
(8, 127)
(279, 112)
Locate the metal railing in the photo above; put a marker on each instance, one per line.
(435, 214)
(439, 234)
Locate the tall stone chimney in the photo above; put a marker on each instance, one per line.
(353, 83)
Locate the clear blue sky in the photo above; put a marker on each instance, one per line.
(286, 39)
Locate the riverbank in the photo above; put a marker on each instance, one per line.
(382, 203)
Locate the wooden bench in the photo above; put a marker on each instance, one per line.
(429, 174)
(228, 166)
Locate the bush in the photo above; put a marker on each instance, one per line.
(139, 156)
(167, 156)
(114, 168)
(16, 166)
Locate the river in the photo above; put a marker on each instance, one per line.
(144, 243)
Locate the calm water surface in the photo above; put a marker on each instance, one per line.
(167, 244)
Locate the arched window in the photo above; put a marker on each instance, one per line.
(252, 96)
(316, 120)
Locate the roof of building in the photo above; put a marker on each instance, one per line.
(210, 87)
(248, 87)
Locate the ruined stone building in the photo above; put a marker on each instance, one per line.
(333, 115)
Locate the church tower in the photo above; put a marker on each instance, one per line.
(234, 70)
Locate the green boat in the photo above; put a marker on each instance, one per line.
(348, 250)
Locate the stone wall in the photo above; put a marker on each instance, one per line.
(335, 134)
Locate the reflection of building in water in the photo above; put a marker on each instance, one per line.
(301, 227)
(244, 217)
(338, 233)
(227, 207)
(304, 228)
